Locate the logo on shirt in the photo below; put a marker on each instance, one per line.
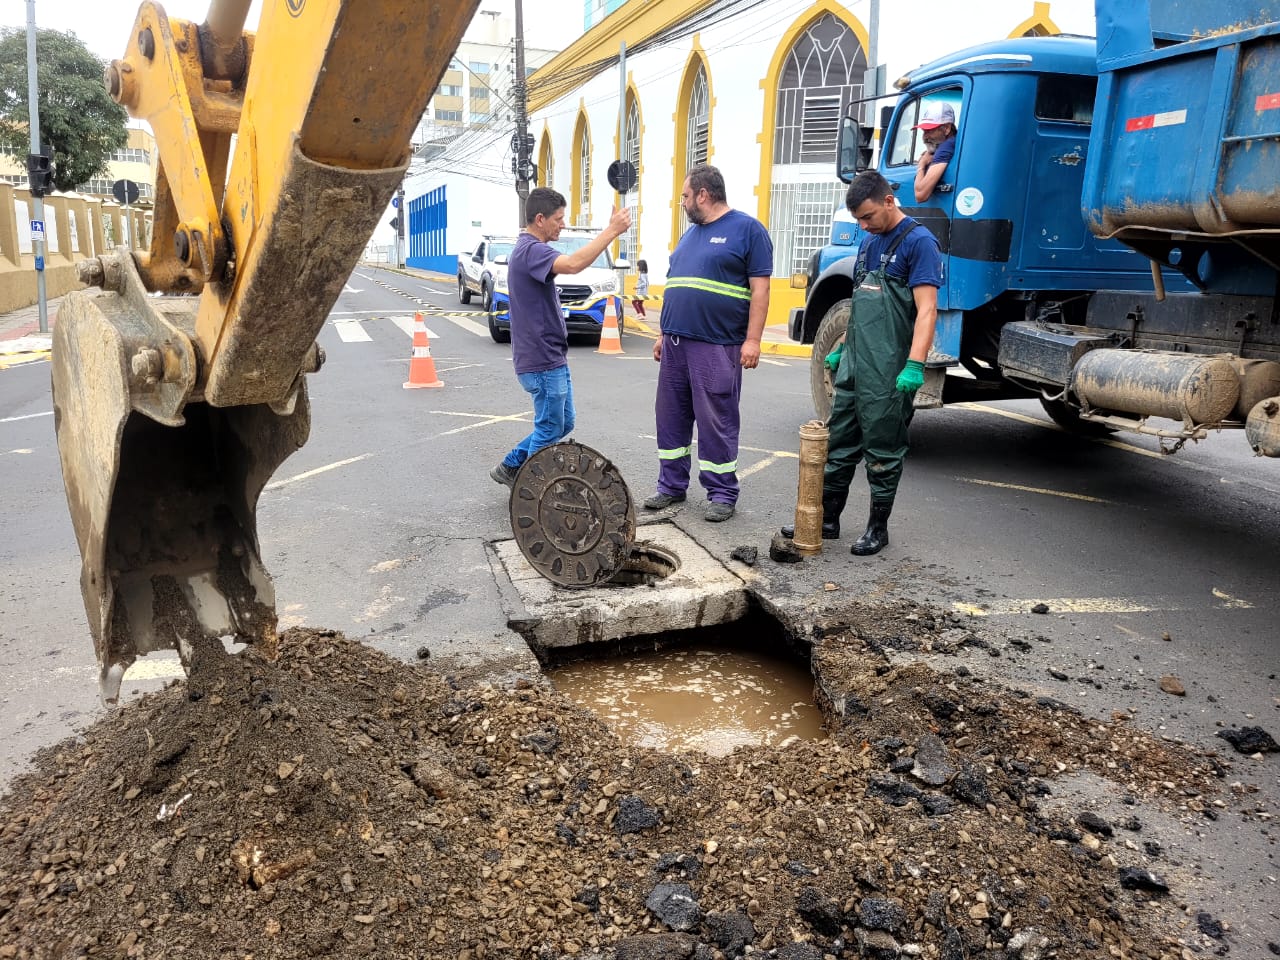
(719, 240)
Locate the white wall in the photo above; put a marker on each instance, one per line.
(739, 52)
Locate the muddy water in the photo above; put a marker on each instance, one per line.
(710, 699)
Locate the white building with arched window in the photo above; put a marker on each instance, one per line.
(756, 89)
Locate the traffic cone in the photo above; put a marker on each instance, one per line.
(610, 339)
(422, 369)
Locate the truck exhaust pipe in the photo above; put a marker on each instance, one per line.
(1194, 390)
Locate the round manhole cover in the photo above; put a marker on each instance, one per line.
(572, 515)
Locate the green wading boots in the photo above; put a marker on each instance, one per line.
(876, 537)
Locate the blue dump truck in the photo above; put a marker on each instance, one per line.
(1109, 223)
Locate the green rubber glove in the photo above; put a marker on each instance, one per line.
(911, 378)
(833, 358)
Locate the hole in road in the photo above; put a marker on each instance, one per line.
(647, 564)
(710, 689)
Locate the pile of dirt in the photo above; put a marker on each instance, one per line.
(337, 803)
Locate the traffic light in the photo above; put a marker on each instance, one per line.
(39, 174)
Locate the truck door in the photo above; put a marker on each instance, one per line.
(902, 150)
(475, 266)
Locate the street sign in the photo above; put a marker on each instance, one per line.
(125, 192)
(395, 202)
(622, 176)
(37, 229)
(39, 263)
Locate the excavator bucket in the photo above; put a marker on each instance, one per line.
(163, 501)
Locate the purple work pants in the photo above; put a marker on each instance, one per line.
(701, 383)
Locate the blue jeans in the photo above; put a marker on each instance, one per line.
(553, 414)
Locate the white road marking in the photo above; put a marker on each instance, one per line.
(514, 418)
(1041, 490)
(406, 324)
(352, 331)
(316, 471)
(1232, 602)
(357, 313)
(1093, 605)
(348, 288)
(776, 363)
(1035, 421)
(26, 416)
(471, 326)
(151, 668)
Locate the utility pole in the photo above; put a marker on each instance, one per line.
(37, 167)
(521, 91)
(623, 153)
(401, 216)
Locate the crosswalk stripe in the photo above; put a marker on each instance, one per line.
(406, 324)
(351, 331)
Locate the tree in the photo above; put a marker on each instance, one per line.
(80, 125)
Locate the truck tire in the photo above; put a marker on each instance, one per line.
(486, 296)
(464, 295)
(499, 335)
(831, 332)
(1065, 416)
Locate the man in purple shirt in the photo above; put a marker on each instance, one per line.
(539, 338)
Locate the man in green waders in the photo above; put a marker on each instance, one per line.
(891, 323)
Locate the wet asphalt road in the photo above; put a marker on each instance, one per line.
(378, 527)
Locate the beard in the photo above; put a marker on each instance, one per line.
(696, 216)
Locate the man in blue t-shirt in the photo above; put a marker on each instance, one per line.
(539, 338)
(938, 127)
(892, 316)
(713, 314)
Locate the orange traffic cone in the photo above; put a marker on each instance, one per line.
(422, 369)
(610, 339)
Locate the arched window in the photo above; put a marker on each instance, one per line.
(693, 134)
(629, 245)
(699, 121)
(821, 74)
(580, 213)
(546, 162)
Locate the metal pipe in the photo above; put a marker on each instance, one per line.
(813, 457)
(225, 23)
(1157, 278)
(37, 202)
(222, 47)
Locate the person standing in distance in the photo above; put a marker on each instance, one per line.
(713, 314)
(539, 338)
(890, 332)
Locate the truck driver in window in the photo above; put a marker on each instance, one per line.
(938, 127)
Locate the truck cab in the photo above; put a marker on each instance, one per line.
(1006, 212)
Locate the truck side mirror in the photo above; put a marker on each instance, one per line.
(855, 149)
(500, 259)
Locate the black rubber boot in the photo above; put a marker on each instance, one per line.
(876, 537)
(832, 506)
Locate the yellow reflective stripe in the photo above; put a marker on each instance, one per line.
(709, 467)
(675, 454)
(727, 287)
(708, 286)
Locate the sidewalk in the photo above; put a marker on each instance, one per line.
(20, 337)
(775, 341)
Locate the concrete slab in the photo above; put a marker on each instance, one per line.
(700, 593)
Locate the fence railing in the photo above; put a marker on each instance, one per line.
(75, 228)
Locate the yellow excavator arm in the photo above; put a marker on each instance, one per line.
(279, 152)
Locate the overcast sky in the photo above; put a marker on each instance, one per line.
(104, 24)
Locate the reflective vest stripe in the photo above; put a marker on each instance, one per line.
(709, 286)
(709, 467)
(675, 454)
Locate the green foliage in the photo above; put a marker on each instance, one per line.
(80, 125)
